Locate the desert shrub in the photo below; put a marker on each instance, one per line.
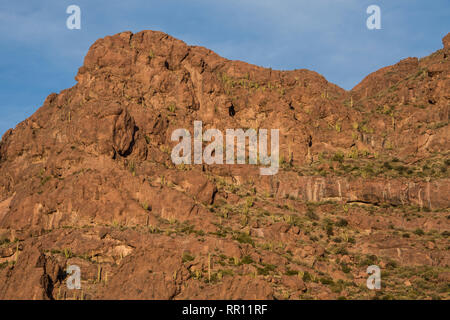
(246, 259)
(326, 281)
(242, 237)
(266, 269)
(345, 268)
(306, 276)
(329, 230)
(342, 223)
(312, 215)
(338, 156)
(187, 257)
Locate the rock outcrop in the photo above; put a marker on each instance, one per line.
(88, 180)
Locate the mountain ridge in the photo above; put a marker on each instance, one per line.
(88, 180)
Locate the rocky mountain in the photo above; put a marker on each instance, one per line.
(88, 180)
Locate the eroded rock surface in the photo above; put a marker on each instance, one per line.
(88, 180)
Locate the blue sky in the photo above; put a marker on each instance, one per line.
(39, 55)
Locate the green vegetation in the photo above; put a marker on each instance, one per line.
(187, 257)
(172, 107)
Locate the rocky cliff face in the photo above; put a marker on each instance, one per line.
(88, 180)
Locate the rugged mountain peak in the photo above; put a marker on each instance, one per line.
(446, 41)
(385, 77)
(88, 179)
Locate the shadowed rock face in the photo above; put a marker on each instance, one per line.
(88, 180)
